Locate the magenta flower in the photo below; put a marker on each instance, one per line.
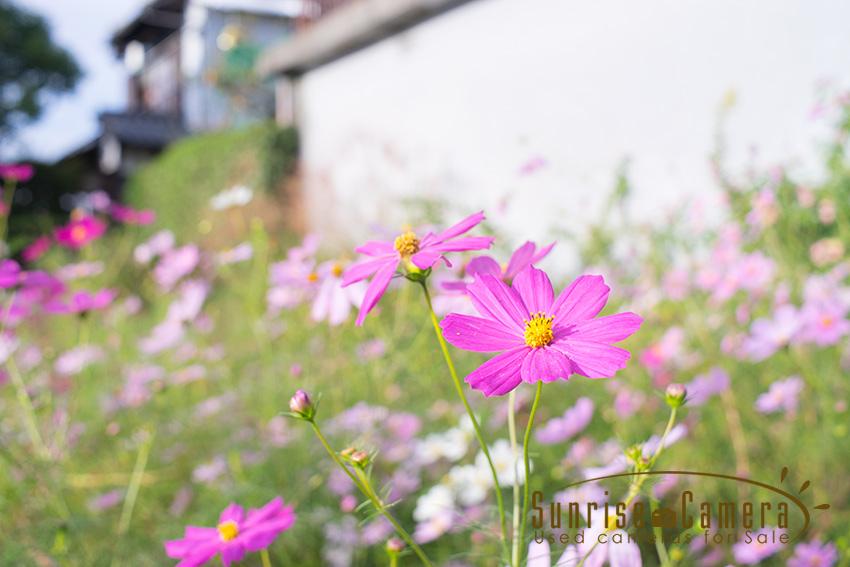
(36, 249)
(82, 302)
(544, 338)
(10, 274)
(524, 256)
(129, 215)
(16, 171)
(814, 554)
(235, 535)
(417, 254)
(80, 231)
(754, 552)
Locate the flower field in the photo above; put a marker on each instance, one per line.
(428, 396)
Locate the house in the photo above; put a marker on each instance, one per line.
(528, 108)
(190, 67)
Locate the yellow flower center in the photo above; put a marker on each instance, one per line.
(336, 270)
(538, 330)
(228, 530)
(78, 233)
(827, 321)
(312, 277)
(407, 244)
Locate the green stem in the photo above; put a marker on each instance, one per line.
(525, 443)
(515, 553)
(264, 556)
(29, 411)
(459, 388)
(135, 482)
(365, 487)
(660, 548)
(635, 487)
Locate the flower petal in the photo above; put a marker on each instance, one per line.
(429, 254)
(539, 554)
(496, 300)
(376, 289)
(535, 289)
(500, 374)
(592, 359)
(376, 248)
(362, 270)
(478, 334)
(546, 364)
(233, 512)
(610, 329)
(584, 299)
(459, 228)
(484, 265)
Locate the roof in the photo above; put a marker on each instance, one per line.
(142, 129)
(345, 29)
(157, 20)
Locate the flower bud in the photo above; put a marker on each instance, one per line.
(302, 405)
(356, 457)
(675, 395)
(395, 545)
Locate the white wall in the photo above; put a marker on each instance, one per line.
(455, 106)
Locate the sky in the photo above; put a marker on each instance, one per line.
(83, 27)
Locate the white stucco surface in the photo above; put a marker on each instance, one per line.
(454, 107)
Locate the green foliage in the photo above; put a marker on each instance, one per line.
(179, 184)
(31, 67)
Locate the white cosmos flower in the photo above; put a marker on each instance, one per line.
(508, 463)
(469, 483)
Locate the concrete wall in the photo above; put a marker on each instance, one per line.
(454, 107)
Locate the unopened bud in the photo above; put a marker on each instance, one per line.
(356, 457)
(301, 404)
(395, 545)
(675, 395)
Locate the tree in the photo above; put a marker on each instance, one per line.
(32, 67)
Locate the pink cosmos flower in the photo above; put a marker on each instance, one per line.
(574, 420)
(814, 554)
(10, 274)
(16, 171)
(384, 257)
(333, 301)
(544, 338)
(236, 534)
(80, 232)
(129, 215)
(82, 302)
(175, 264)
(36, 249)
(782, 395)
(754, 552)
(823, 323)
(524, 256)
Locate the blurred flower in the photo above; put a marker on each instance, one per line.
(164, 336)
(508, 463)
(239, 253)
(544, 338)
(80, 232)
(573, 422)
(826, 211)
(236, 196)
(175, 264)
(826, 251)
(79, 270)
(540, 555)
(210, 471)
(704, 386)
(106, 500)
(77, 359)
(16, 171)
(181, 501)
(129, 215)
(814, 554)
(533, 165)
(754, 552)
(434, 513)
(36, 249)
(782, 395)
(370, 350)
(767, 335)
(236, 534)
(805, 197)
(10, 273)
(415, 253)
(333, 301)
(764, 210)
(823, 323)
(82, 302)
(156, 245)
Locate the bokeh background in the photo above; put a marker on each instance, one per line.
(196, 172)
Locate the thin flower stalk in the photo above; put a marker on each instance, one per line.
(525, 442)
(476, 427)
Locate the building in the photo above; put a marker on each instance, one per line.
(528, 108)
(190, 66)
